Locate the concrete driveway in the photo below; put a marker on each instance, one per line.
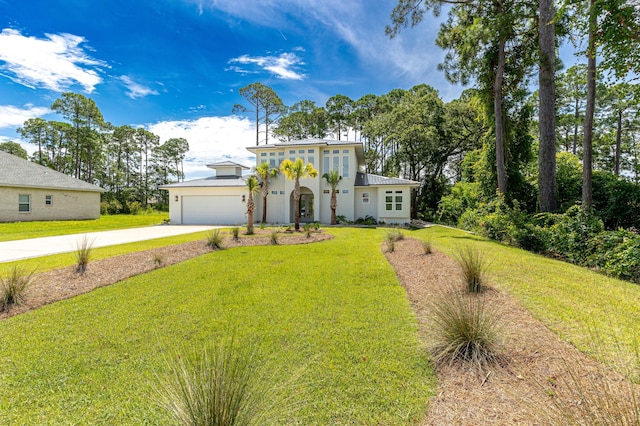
(35, 247)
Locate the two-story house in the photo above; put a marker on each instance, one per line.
(221, 199)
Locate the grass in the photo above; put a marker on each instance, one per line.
(472, 268)
(14, 286)
(23, 230)
(274, 236)
(333, 310)
(214, 239)
(570, 300)
(465, 327)
(426, 246)
(216, 385)
(83, 254)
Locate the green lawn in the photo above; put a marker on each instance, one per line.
(23, 230)
(333, 311)
(578, 304)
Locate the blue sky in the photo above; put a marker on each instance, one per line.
(175, 66)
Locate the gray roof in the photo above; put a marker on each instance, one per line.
(327, 142)
(209, 182)
(227, 164)
(367, 179)
(16, 172)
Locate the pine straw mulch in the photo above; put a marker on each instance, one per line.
(64, 283)
(536, 363)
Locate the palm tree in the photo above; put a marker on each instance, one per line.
(254, 187)
(264, 173)
(333, 179)
(294, 170)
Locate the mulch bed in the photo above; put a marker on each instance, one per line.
(536, 362)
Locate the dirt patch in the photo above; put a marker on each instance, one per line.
(64, 283)
(537, 362)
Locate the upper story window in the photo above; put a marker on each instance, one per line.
(365, 198)
(24, 203)
(345, 166)
(325, 165)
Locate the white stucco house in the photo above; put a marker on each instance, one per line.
(221, 199)
(29, 191)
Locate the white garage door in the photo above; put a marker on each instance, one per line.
(213, 210)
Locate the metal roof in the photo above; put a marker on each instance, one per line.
(210, 182)
(367, 179)
(314, 143)
(227, 164)
(20, 173)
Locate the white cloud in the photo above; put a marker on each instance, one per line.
(12, 116)
(136, 90)
(55, 62)
(284, 65)
(211, 139)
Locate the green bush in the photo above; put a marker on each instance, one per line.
(616, 253)
(569, 237)
(135, 208)
(616, 201)
(110, 207)
(464, 196)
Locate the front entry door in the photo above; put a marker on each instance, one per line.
(306, 207)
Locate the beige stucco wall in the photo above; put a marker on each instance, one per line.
(66, 205)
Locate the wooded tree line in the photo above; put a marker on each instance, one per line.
(129, 163)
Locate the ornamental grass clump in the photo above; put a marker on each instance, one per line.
(426, 246)
(235, 233)
(158, 259)
(218, 386)
(274, 237)
(395, 235)
(472, 268)
(214, 239)
(308, 229)
(465, 327)
(84, 248)
(13, 288)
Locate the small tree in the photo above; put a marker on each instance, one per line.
(253, 186)
(294, 170)
(333, 179)
(264, 172)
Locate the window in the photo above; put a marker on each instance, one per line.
(263, 154)
(24, 203)
(48, 200)
(336, 151)
(365, 198)
(326, 191)
(325, 165)
(388, 200)
(312, 160)
(292, 154)
(336, 163)
(281, 192)
(272, 163)
(301, 151)
(345, 191)
(398, 202)
(274, 192)
(345, 166)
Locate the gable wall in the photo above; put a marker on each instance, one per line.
(66, 205)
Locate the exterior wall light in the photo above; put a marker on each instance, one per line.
(244, 198)
(177, 198)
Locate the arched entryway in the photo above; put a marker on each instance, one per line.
(306, 206)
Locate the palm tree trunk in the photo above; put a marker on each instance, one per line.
(296, 201)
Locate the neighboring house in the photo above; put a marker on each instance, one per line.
(29, 191)
(222, 199)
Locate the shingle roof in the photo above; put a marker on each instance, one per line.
(367, 179)
(213, 181)
(16, 172)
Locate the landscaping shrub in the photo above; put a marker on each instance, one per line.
(308, 229)
(84, 248)
(13, 287)
(394, 235)
(465, 327)
(274, 237)
(110, 207)
(472, 268)
(235, 232)
(616, 201)
(426, 246)
(214, 239)
(464, 196)
(616, 253)
(158, 258)
(135, 208)
(316, 225)
(367, 220)
(569, 237)
(219, 386)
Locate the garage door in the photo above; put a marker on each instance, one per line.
(213, 210)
